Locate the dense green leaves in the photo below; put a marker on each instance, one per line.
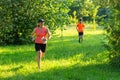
(112, 24)
(19, 17)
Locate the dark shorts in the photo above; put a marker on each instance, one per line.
(80, 33)
(39, 47)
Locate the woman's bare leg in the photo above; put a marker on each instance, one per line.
(40, 54)
(38, 59)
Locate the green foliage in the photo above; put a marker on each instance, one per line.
(115, 61)
(103, 14)
(112, 24)
(19, 17)
(77, 6)
(16, 21)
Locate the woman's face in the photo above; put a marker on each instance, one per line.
(41, 24)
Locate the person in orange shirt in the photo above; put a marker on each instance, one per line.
(80, 28)
(42, 35)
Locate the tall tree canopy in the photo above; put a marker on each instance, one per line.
(112, 26)
(19, 17)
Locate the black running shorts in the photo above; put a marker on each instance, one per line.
(80, 33)
(39, 47)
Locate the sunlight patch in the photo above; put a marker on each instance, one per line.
(94, 32)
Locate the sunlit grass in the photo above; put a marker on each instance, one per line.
(65, 59)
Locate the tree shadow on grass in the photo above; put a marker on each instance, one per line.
(64, 49)
(16, 68)
(17, 57)
(57, 49)
(69, 47)
(74, 72)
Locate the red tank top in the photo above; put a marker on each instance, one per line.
(40, 33)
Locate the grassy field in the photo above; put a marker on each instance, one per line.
(65, 59)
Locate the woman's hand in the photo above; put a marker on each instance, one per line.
(44, 40)
(33, 39)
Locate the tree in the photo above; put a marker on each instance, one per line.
(91, 10)
(112, 24)
(113, 31)
(76, 6)
(21, 17)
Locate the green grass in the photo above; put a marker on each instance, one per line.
(65, 59)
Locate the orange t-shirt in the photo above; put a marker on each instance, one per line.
(40, 33)
(80, 27)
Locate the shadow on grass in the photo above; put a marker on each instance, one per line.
(16, 68)
(17, 57)
(64, 49)
(74, 72)
(69, 46)
(57, 49)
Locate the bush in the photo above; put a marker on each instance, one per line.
(113, 35)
